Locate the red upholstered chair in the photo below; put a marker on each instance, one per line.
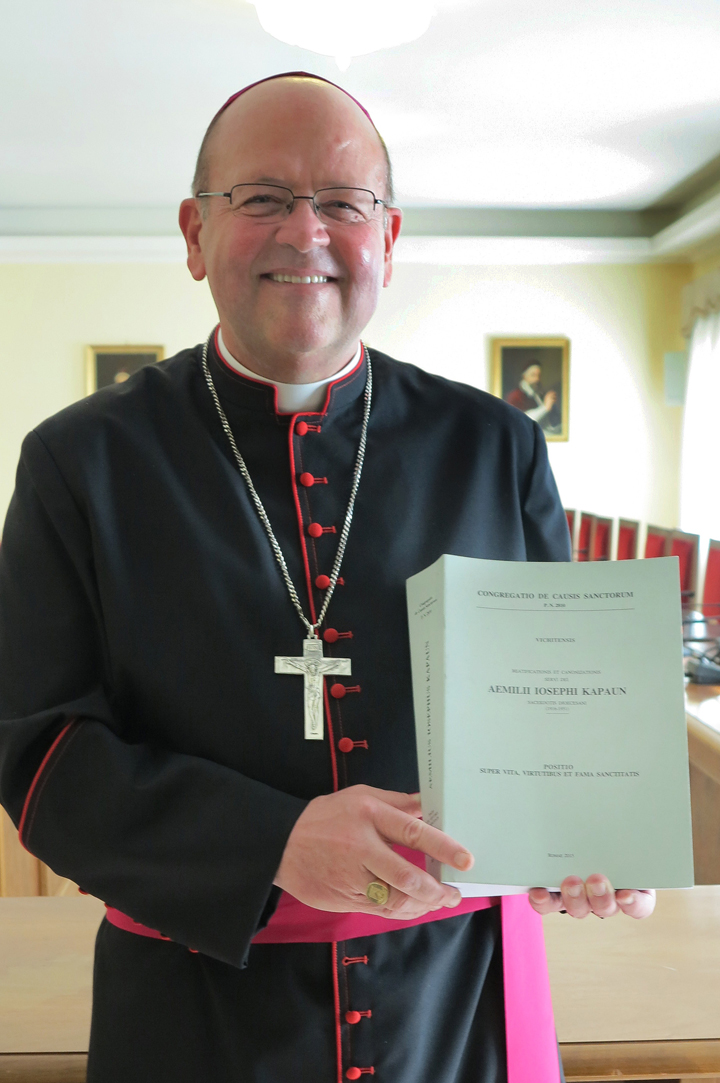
(702, 624)
(686, 548)
(628, 545)
(711, 591)
(583, 540)
(657, 542)
(600, 538)
(570, 516)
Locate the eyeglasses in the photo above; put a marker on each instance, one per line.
(273, 203)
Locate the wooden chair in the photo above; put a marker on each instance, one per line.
(628, 544)
(658, 542)
(582, 550)
(600, 538)
(571, 517)
(710, 604)
(702, 624)
(686, 547)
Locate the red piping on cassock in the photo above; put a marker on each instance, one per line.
(45, 760)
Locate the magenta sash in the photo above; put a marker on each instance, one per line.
(532, 1053)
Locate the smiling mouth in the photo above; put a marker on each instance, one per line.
(299, 280)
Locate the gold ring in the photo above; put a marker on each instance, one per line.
(378, 892)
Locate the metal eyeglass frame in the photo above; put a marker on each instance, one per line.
(282, 188)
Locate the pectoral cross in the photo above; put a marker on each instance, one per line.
(313, 666)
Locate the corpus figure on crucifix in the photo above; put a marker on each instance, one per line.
(269, 913)
(314, 668)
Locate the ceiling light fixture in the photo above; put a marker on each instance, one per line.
(342, 29)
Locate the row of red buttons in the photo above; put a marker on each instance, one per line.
(315, 530)
(354, 1017)
(337, 691)
(322, 582)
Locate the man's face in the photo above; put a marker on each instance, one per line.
(533, 374)
(303, 135)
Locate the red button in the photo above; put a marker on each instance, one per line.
(322, 582)
(301, 428)
(307, 480)
(338, 691)
(346, 745)
(315, 530)
(353, 1073)
(331, 635)
(352, 1017)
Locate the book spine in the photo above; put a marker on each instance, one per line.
(426, 605)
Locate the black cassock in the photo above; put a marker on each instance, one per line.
(149, 752)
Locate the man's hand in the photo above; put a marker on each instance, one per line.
(550, 399)
(342, 842)
(595, 896)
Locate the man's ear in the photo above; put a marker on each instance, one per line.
(393, 221)
(191, 223)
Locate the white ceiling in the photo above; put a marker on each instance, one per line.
(515, 103)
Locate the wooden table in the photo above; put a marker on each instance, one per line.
(633, 1000)
(639, 999)
(703, 721)
(46, 951)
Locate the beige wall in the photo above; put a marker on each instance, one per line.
(622, 457)
(706, 265)
(623, 454)
(49, 313)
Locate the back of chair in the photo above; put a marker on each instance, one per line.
(658, 541)
(711, 591)
(628, 539)
(600, 538)
(571, 520)
(584, 533)
(686, 547)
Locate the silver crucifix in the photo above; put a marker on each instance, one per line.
(313, 666)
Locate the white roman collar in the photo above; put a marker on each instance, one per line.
(291, 398)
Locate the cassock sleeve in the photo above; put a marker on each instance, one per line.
(547, 536)
(179, 843)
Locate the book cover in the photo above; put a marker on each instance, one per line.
(550, 720)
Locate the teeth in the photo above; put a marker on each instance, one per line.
(302, 280)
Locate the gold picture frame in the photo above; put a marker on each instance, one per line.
(108, 365)
(510, 362)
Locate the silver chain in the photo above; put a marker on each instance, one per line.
(311, 628)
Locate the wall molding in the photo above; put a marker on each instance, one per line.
(446, 251)
(520, 251)
(38, 249)
(689, 237)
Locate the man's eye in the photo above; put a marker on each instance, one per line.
(341, 210)
(261, 205)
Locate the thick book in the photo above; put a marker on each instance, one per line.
(550, 720)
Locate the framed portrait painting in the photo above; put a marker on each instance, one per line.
(533, 374)
(106, 365)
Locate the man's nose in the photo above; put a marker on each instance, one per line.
(302, 228)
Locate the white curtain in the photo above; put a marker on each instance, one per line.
(700, 464)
